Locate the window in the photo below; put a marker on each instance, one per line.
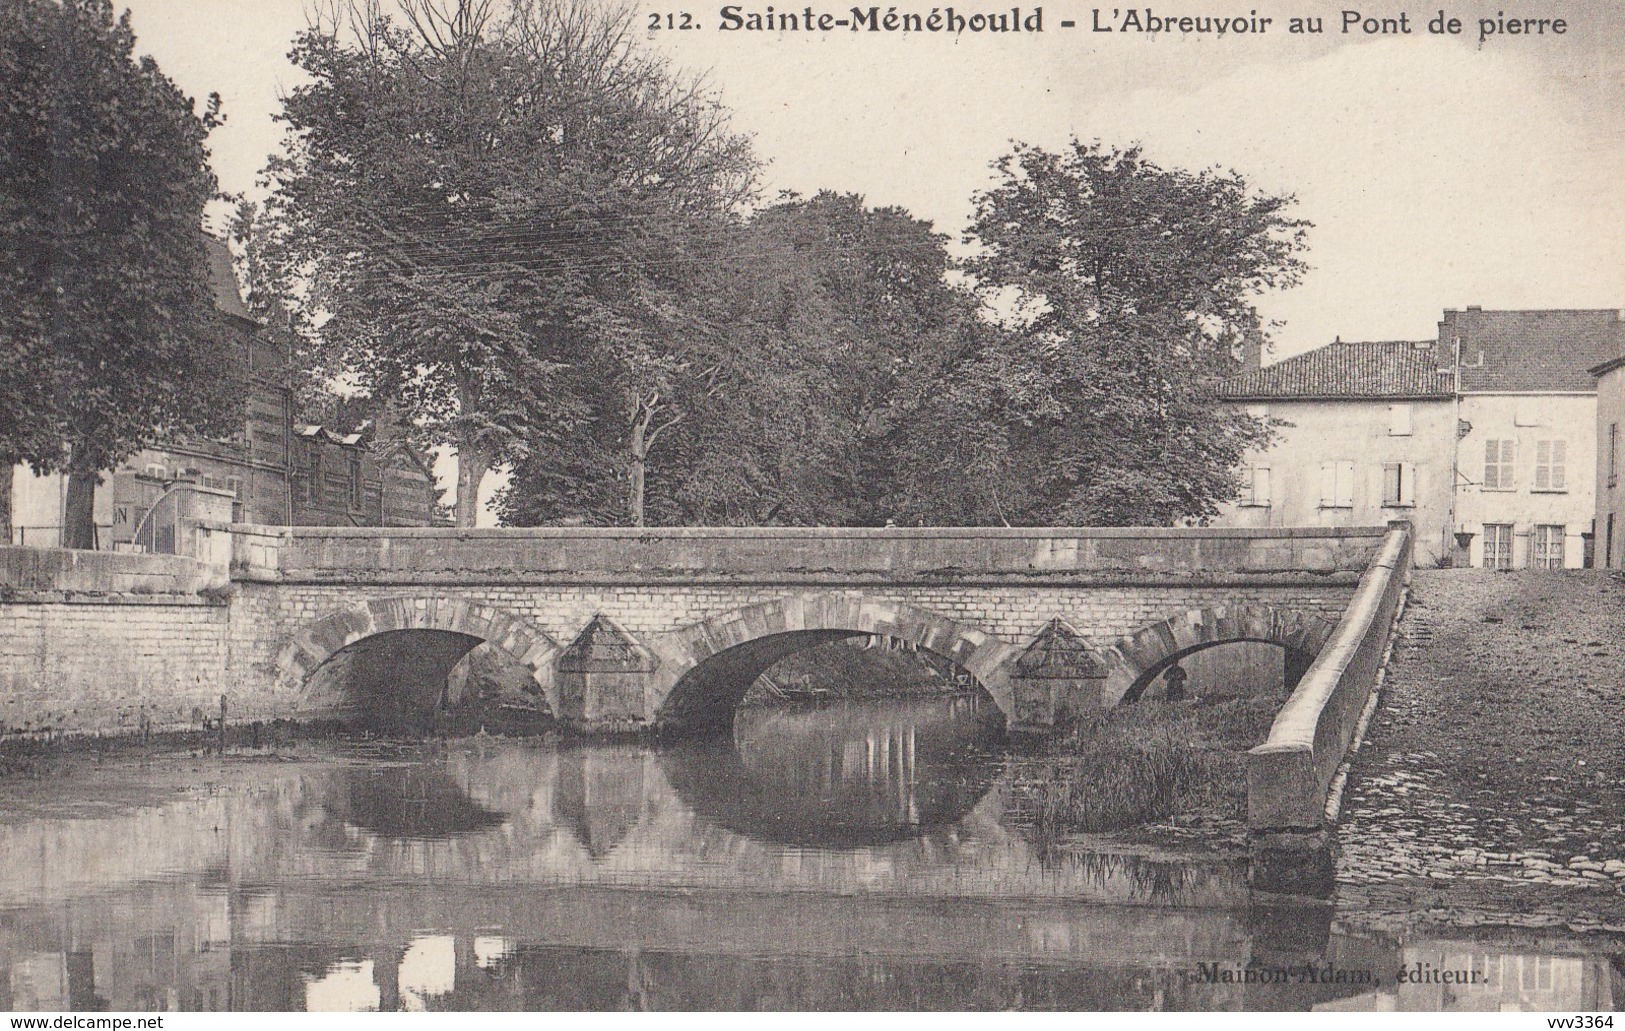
(1399, 485)
(1399, 420)
(1613, 454)
(1550, 457)
(1255, 488)
(1497, 545)
(355, 483)
(1498, 465)
(313, 467)
(1337, 484)
(1548, 548)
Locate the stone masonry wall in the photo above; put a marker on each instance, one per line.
(110, 665)
(114, 643)
(95, 642)
(266, 617)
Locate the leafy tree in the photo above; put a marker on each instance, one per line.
(808, 336)
(896, 327)
(476, 219)
(675, 394)
(1127, 292)
(108, 337)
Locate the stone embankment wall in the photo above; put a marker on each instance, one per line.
(1290, 774)
(106, 643)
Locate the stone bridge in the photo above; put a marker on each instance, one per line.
(667, 628)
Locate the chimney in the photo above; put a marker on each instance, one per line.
(1252, 353)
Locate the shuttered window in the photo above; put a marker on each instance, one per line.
(1255, 492)
(1337, 484)
(1550, 459)
(1498, 465)
(1399, 485)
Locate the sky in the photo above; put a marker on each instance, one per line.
(1440, 171)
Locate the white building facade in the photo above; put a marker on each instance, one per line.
(1486, 439)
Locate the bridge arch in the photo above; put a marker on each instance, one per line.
(1145, 653)
(717, 660)
(326, 664)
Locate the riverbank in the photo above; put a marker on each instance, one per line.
(1491, 785)
(1150, 776)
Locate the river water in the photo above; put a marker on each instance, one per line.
(855, 856)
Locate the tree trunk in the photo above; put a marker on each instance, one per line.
(640, 442)
(7, 474)
(471, 468)
(640, 462)
(79, 513)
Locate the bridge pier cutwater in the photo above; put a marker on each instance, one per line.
(664, 630)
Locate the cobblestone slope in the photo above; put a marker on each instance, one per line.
(1491, 784)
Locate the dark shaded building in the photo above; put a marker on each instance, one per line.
(343, 480)
(272, 471)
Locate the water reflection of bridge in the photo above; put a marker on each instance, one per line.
(504, 875)
(144, 889)
(171, 946)
(512, 814)
(164, 946)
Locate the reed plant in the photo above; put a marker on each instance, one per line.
(1139, 764)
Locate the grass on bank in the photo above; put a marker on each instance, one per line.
(1143, 763)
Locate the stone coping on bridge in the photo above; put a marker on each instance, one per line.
(814, 532)
(55, 574)
(1290, 774)
(811, 555)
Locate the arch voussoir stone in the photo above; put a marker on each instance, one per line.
(318, 641)
(1148, 648)
(828, 615)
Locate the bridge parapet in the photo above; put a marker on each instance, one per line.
(1290, 776)
(801, 556)
(29, 573)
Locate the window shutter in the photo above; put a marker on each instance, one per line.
(1345, 484)
(1559, 460)
(1399, 420)
(1407, 483)
(1543, 464)
(1328, 484)
(1261, 485)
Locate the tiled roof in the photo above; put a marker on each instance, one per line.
(1390, 368)
(1547, 351)
(223, 279)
